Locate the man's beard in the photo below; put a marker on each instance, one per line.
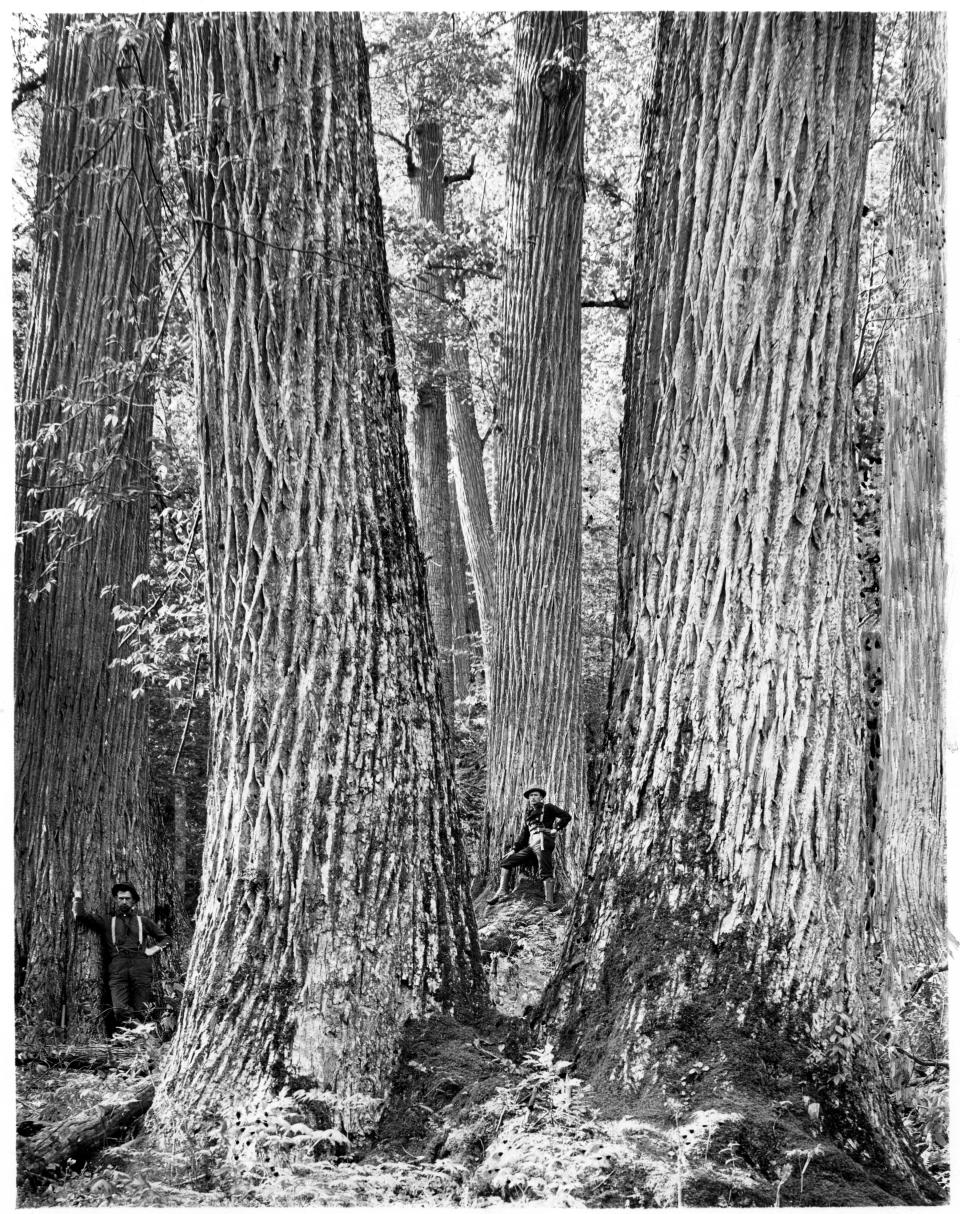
(125, 910)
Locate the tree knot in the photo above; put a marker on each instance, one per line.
(559, 77)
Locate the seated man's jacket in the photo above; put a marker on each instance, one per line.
(550, 817)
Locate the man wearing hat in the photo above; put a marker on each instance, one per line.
(535, 844)
(130, 956)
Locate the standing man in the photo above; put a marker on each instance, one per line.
(130, 957)
(535, 844)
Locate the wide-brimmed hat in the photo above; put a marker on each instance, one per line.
(127, 887)
(536, 788)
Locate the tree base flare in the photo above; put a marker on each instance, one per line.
(740, 1115)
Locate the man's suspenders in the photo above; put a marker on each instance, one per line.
(113, 930)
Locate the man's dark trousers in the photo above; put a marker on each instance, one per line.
(130, 977)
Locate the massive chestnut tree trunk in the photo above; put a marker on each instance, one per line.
(334, 900)
(429, 454)
(536, 726)
(911, 829)
(723, 915)
(83, 484)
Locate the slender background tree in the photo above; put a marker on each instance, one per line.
(536, 725)
(428, 447)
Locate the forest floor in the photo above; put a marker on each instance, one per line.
(480, 1115)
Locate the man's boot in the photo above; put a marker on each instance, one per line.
(502, 891)
(548, 894)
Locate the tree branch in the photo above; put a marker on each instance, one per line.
(193, 701)
(393, 138)
(934, 1063)
(616, 301)
(453, 178)
(925, 977)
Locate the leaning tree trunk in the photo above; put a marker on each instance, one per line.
(459, 602)
(536, 725)
(83, 486)
(334, 901)
(429, 454)
(473, 504)
(721, 922)
(910, 910)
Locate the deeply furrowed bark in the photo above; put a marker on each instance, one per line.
(722, 916)
(536, 725)
(428, 451)
(83, 426)
(910, 903)
(334, 898)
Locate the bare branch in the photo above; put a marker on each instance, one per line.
(193, 700)
(616, 301)
(393, 138)
(453, 178)
(927, 974)
(934, 1063)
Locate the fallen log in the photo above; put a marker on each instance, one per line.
(76, 1137)
(91, 1057)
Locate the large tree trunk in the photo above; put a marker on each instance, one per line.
(429, 454)
(910, 910)
(83, 486)
(334, 899)
(722, 919)
(536, 725)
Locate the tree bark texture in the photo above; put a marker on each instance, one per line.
(334, 900)
(723, 912)
(473, 504)
(84, 425)
(910, 911)
(536, 726)
(429, 450)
